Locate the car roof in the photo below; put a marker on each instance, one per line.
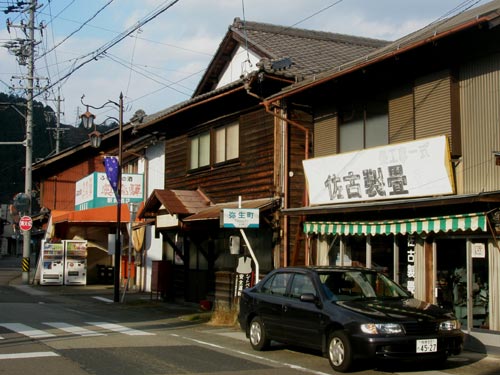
(323, 269)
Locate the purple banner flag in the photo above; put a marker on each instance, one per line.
(112, 168)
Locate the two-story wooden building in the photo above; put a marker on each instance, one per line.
(224, 150)
(404, 172)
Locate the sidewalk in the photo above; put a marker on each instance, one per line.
(105, 293)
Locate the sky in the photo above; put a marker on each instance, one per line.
(160, 63)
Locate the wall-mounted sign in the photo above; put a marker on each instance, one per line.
(239, 218)
(403, 170)
(95, 190)
(478, 250)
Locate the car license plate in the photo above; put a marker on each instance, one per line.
(427, 346)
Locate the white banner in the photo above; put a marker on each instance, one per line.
(404, 170)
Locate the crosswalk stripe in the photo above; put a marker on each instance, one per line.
(120, 329)
(73, 329)
(25, 330)
(28, 355)
(31, 332)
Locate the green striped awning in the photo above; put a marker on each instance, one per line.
(436, 224)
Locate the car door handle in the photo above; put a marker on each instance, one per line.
(285, 308)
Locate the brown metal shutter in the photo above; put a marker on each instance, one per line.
(325, 134)
(401, 116)
(480, 95)
(433, 105)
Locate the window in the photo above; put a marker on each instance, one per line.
(227, 143)
(277, 284)
(301, 284)
(364, 127)
(200, 151)
(215, 146)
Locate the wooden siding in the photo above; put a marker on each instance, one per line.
(433, 105)
(325, 134)
(401, 115)
(296, 183)
(58, 192)
(250, 177)
(479, 103)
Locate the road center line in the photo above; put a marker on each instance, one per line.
(295, 367)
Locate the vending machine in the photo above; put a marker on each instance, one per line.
(52, 260)
(75, 263)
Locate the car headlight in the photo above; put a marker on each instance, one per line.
(449, 325)
(382, 328)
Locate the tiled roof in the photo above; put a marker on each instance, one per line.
(428, 34)
(310, 51)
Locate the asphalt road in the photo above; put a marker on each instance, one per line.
(58, 330)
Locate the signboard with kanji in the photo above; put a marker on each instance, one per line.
(239, 218)
(95, 190)
(403, 170)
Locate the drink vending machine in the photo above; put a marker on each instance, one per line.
(52, 272)
(64, 262)
(75, 263)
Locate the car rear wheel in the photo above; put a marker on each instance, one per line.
(339, 351)
(258, 337)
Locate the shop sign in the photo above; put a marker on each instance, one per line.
(410, 270)
(239, 218)
(95, 190)
(403, 170)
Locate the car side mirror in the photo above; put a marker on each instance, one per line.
(311, 298)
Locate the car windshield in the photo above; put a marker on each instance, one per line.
(346, 285)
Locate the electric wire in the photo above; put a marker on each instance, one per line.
(78, 29)
(161, 80)
(91, 56)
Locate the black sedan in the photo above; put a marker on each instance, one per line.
(348, 313)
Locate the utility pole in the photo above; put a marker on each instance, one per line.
(29, 139)
(57, 129)
(24, 49)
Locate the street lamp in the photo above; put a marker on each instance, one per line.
(88, 118)
(95, 140)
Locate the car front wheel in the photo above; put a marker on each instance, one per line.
(339, 351)
(258, 337)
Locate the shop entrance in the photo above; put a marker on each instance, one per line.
(452, 279)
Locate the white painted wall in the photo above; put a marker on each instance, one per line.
(154, 162)
(238, 66)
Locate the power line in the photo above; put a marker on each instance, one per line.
(100, 51)
(78, 29)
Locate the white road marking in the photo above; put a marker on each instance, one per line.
(107, 300)
(73, 329)
(25, 330)
(121, 329)
(260, 358)
(28, 355)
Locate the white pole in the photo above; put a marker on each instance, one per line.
(251, 254)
